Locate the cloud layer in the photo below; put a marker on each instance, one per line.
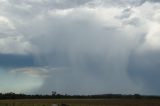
(80, 46)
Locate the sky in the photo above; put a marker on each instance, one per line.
(80, 46)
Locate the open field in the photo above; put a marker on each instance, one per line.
(82, 102)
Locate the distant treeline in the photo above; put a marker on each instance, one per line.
(54, 95)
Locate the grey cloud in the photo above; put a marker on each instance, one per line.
(153, 0)
(41, 5)
(31, 8)
(126, 13)
(131, 3)
(144, 68)
(90, 53)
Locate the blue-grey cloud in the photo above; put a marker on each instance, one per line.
(14, 60)
(144, 68)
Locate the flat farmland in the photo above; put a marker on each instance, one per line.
(81, 102)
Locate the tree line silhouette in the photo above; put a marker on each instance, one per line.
(55, 95)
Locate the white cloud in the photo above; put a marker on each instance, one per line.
(32, 71)
(15, 45)
(4, 22)
(11, 41)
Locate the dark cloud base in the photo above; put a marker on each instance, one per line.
(16, 61)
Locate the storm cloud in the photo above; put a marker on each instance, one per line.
(80, 46)
(11, 60)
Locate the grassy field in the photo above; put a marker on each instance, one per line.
(82, 102)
